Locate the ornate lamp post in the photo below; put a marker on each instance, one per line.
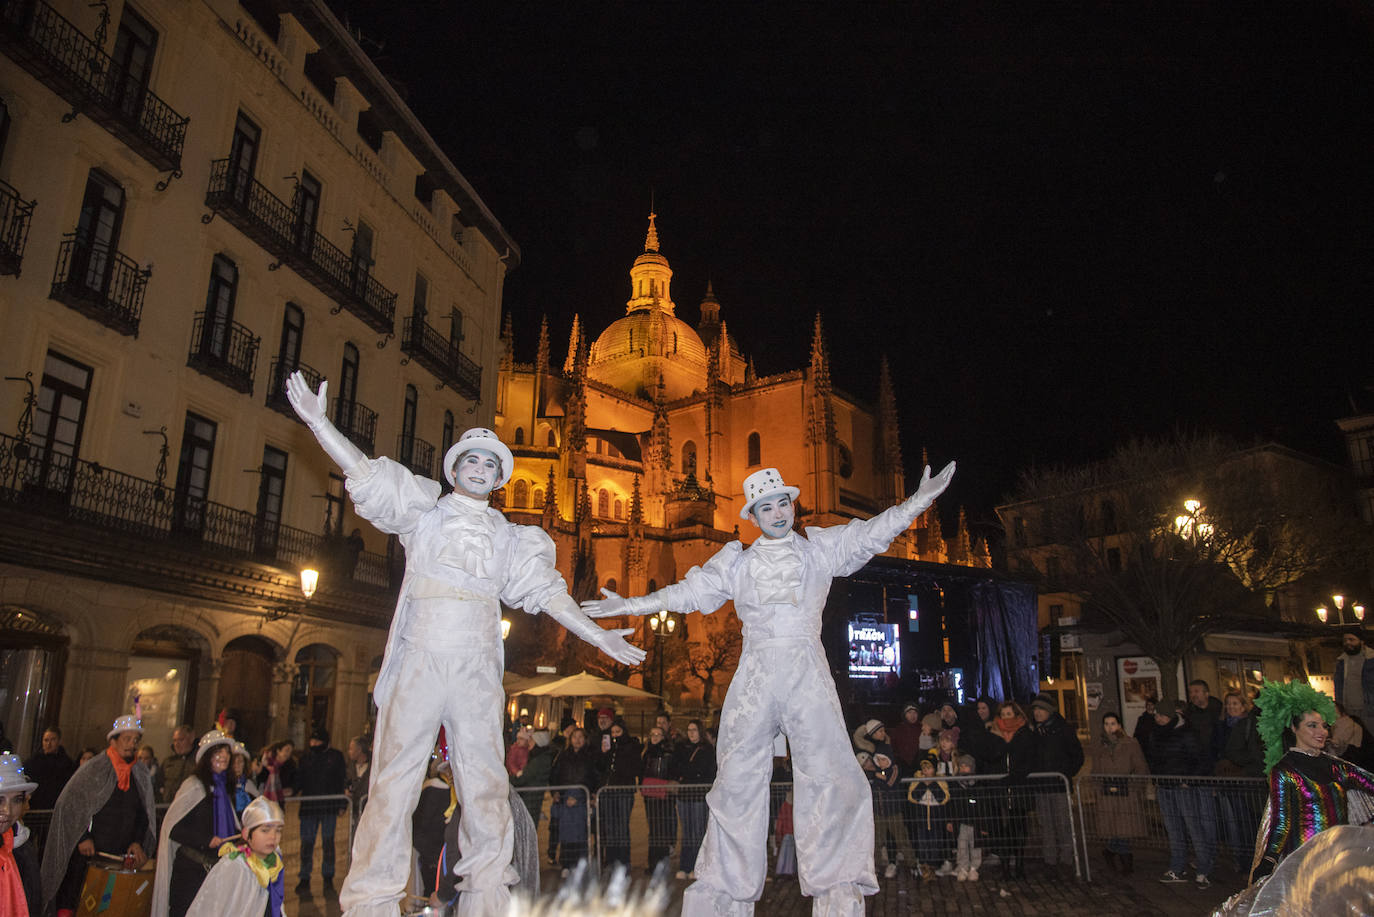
(1339, 601)
(662, 625)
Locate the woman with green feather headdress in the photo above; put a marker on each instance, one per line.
(1307, 787)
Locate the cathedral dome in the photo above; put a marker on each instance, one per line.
(648, 343)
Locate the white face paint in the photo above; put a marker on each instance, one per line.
(476, 473)
(775, 515)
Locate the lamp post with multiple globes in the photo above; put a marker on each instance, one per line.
(1357, 610)
(662, 625)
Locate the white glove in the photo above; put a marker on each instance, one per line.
(929, 489)
(615, 605)
(312, 407)
(611, 642)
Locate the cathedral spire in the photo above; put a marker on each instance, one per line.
(507, 342)
(541, 359)
(889, 439)
(822, 428)
(574, 341)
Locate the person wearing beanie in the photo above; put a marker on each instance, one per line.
(20, 893)
(1057, 751)
(867, 735)
(248, 878)
(443, 660)
(888, 803)
(783, 686)
(931, 797)
(969, 812)
(107, 806)
(906, 738)
(322, 772)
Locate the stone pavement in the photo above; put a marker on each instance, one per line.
(1042, 894)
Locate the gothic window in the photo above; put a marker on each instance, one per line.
(519, 436)
(603, 504)
(610, 584)
(520, 497)
(539, 498)
(846, 462)
(553, 440)
(689, 457)
(754, 450)
(619, 509)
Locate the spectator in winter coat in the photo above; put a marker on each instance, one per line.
(1188, 809)
(1057, 751)
(906, 738)
(1202, 713)
(931, 797)
(321, 773)
(1143, 724)
(694, 764)
(536, 773)
(888, 799)
(1017, 761)
(1120, 814)
(1239, 752)
(659, 810)
(50, 768)
(576, 766)
(970, 818)
(620, 766)
(180, 764)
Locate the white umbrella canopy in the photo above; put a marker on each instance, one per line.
(584, 684)
(513, 683)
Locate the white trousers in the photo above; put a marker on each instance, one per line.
(785, 684)
(450, 677)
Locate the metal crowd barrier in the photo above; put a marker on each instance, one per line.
(1157, 811)
(980, 819)
(543, 803)
(340, 826)
(642, 825)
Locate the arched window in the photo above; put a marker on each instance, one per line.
(539, 498)
(520, 496)
(619, 508)
(603, 504)
(519, 436)
(553, 440)
(689, 457)
(610, 584)
(653, 585)
(755, 450)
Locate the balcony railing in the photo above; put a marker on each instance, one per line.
(276, 226)
(15, 213)
(90, 495)
(415, 454)
(440, 355)
(355, 420)
(223, 350)
(100, 283)
(276, 384)
(55, 51)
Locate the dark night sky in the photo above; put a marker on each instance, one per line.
(1065, 223)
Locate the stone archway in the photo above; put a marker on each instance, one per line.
(245, 686)
(314, 687)
(165, 663)
(33, 659)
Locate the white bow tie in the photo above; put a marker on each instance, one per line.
(469, 538)
(777, 572)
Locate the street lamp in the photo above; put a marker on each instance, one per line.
(1339, 601)
(505, 628)
(310, 580)
(1189, 524)
(662, 625)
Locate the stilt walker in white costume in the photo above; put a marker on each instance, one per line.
(783, 686)
(444, 657)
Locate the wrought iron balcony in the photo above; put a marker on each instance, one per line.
(100, 283)
(15, 214)
(355, 420)
(156, 517)
(415, 454)
(278, 373)
(223, 350)
(276, 226)
(440, 355)
(72, 65)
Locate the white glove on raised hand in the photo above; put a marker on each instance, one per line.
(614, 605)
(312, 407)
(930, 488)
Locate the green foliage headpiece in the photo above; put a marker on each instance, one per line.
(1279, 703)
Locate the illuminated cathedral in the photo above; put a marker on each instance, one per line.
(631, 449)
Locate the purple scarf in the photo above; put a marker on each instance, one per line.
(276, 892)
(222, 807)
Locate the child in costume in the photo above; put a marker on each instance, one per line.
(19, 894)
(783, 686)
(248, 880)
(444, 657)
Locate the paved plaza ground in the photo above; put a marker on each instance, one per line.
(1041, 894)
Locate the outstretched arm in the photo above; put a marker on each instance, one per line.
(611, 642)
(852, 545)
(703, 589)
(312, 408)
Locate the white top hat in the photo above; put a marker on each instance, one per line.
(261, 811)
(12, 776)
(126, 723)
(480, 438)
(210, 740)
(764, 483)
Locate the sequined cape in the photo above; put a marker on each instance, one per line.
(1307, 795)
